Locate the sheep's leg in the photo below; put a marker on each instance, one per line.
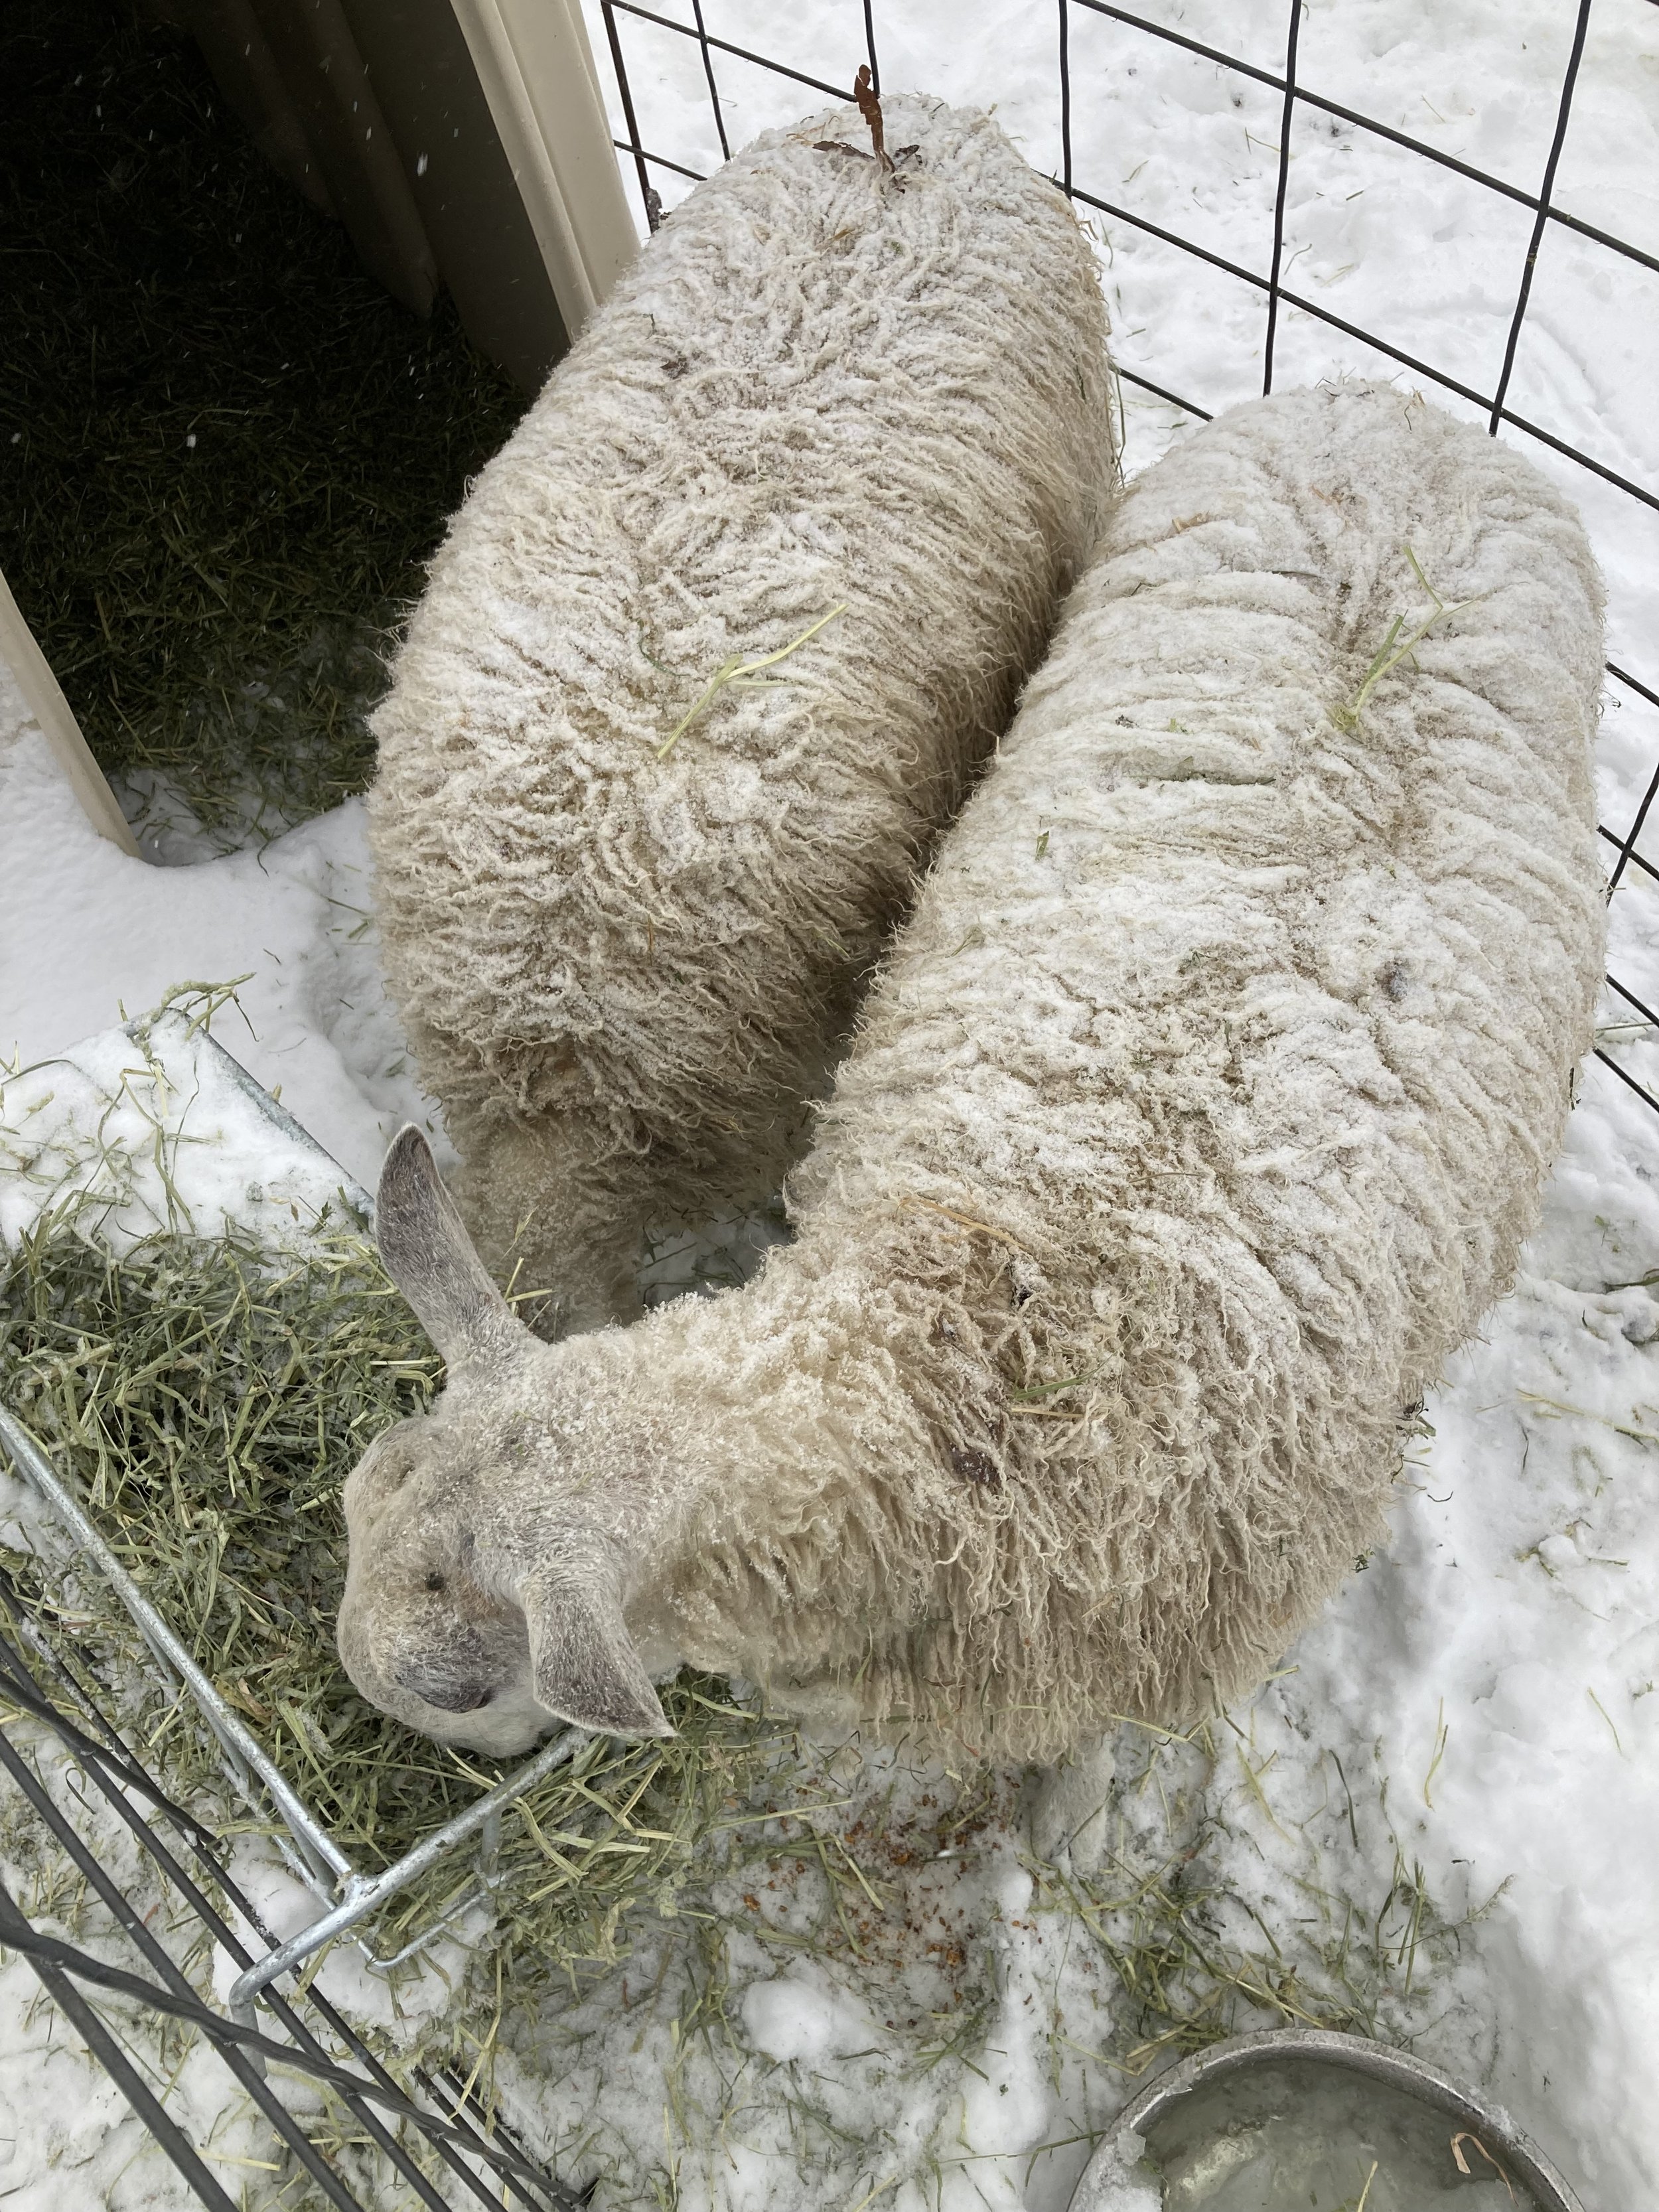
(1070, 1822)
(548, 1216)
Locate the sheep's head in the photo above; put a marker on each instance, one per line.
(491, 1540)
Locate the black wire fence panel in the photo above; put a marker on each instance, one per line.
(1262, 223)
(469, 2157)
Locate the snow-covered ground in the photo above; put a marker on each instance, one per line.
(1476, 1720)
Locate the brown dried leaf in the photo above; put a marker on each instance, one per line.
(870, 108)
(1463, 2166)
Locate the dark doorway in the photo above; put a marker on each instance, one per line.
(225, 452)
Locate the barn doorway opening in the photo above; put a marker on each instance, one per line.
(226, 448)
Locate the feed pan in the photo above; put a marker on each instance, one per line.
(1300, 2120)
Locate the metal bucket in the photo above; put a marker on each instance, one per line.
(1208, 2117)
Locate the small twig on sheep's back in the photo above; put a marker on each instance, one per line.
(1387, 655)
(869, 100)
(870, 108)
(734, 669)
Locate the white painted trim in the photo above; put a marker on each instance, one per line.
(537, 72)
(45, 700)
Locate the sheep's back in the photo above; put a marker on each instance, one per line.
(1240, 1012)
(811, 390)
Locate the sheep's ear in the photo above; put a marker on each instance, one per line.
(583, 1665)
(430, 1257)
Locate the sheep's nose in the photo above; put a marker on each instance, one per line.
(450, 1694)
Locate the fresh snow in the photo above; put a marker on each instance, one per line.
(1480, 1704)
(89, 937)
(87, 1122)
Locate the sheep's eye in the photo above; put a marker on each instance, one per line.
(435, 1581)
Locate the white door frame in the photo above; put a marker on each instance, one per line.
(537, 70)
(43, 696)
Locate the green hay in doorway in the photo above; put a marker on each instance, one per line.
(225, 453)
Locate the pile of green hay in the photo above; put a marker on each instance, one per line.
(225, 453)
(210, 1399)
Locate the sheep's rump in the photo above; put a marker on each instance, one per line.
(816, 387)
(1209, 1094)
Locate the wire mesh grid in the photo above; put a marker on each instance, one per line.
(686, 87)
(471, 2157)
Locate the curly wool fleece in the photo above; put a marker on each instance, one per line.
(1200, 1113)
(624, 975)
(1206, 1104)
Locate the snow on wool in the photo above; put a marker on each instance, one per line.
(625, 963)
(1198, 1117)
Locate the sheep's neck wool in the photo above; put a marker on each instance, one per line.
(1199, 1115)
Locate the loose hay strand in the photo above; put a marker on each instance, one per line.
(1388, 656)
(735, 669)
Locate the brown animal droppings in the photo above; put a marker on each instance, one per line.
(974, 1465)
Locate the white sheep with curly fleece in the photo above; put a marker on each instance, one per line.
(1199, 1115)
(624, 968)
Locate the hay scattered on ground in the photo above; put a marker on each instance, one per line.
(225, 453)
(210, 1397)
